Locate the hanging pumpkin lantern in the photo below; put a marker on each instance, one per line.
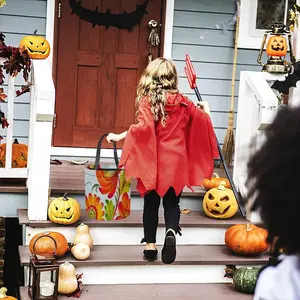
(37, 46)
(277, 46)
(220, 203)
(19, 155)
(215, 182)
(64, 210)
(246, 239)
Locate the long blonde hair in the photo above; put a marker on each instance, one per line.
(159, 77)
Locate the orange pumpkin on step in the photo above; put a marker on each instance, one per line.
(19, 155)
(3, 295)
(214, 182)
(246, 239)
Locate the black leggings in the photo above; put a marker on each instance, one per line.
(150, 215)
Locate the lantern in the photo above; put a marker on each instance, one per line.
(43, 276)
(279, 40)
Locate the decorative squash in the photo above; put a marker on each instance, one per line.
(67, 281)
(19, 155)
(215, 182)
(64, 210)
(3, 295)
(244, 279)
(83, 235)
(220, 203)
(276, 46)
(246, 239)
(45, 245)
(81, 251)
(37, 46)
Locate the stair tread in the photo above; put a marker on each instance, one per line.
(211, 291)
(194, 219)
(132, 255)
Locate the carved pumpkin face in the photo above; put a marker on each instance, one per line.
(64, 210)
(37, 46)
(220, 203)
(19, 155)
(276, 46)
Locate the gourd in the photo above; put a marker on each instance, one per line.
(244, 279)
(83, 235)
(45, 246)
(81, 251)
(67, 281)
(276, 46)
(37, 46)
(19, 155)
(64, 210)
(246, 239)
(215, 182)
(220, 202)
(3, 295)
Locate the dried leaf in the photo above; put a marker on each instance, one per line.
(2, 95)
(24, 89)
(79, 289)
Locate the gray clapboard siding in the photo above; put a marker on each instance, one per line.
(212, 55)
(17, 19)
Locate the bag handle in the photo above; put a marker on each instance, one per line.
(98, 153)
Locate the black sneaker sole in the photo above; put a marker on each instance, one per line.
(169, 250)
(150, 255)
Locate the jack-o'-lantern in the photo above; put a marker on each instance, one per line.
(37, 46)
(220, 203)
(276, 46)
(19, 155)
(64, 210)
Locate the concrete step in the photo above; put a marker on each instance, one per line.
(197, 229)
(157, 291)
(125, 265)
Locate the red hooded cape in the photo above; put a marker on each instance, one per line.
(177, 155)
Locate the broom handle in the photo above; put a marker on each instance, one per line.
(238, 199)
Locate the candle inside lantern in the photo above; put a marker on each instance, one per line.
(46, 288)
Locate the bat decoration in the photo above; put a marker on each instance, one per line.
(124, 20)
(290, 80)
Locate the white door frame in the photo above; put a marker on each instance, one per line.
(167, 53)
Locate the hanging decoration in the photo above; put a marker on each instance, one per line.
(153, 38)
(294, 16)
(2, 3)
(124, 20)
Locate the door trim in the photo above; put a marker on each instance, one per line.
(51, 36)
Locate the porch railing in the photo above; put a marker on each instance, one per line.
(257, 107)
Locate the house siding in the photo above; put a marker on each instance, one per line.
(19, 18)
(212, 56)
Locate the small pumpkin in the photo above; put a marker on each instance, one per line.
(45, 246)
(81, 251)
(246, 239)
(64, 210)
(19, 155)
(3, 295)
(83, 235)
(67, 280)
(215, 182)
(244, 279)
(276, 46)
(220, 203)
(37, 46)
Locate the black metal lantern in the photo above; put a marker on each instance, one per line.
(276, 49)
(43, 276)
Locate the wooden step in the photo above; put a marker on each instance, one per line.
(157, 291)
(132, 255)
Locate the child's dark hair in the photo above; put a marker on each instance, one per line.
(273, 174)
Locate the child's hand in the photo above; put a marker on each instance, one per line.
(112, 137)
(204, 105)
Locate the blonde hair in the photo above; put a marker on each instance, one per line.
(159, 77)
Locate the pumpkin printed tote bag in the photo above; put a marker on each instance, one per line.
(107, 192)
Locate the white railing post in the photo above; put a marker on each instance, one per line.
(40, 137)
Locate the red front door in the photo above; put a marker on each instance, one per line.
(97, 72)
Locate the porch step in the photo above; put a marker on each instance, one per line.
(160, 291)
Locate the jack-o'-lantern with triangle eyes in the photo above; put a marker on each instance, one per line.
(37, 46)
(220, 203)
(277, 46)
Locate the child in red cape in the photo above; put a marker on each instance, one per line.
(171, 146)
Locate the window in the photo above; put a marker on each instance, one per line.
(257, 16)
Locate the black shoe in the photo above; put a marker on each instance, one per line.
(150, 254)
(169, 249)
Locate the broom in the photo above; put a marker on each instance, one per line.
(228, 146)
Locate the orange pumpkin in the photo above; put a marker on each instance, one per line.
(3, 295)
(246, 239)
(214, 182)
(19, 155)
(276, 46)
(45, 246)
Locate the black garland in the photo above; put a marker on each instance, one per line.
(121, 21)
